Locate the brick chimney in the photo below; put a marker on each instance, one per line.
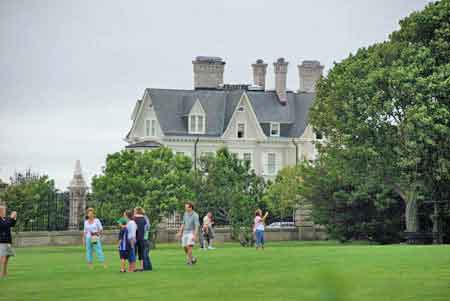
(280, 67)
(259, 73)
(208, 72)
(309, 73)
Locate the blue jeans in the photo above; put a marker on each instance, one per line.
(259, 238)
(97, 247)
(146, 260)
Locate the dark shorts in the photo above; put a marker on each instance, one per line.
(124, 254)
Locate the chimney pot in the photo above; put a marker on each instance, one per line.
(309, 73)
(259, 73)
(208, 72)
(280, 67)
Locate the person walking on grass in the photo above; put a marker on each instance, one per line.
(132, 229)
(207, 231)
(93, 230)
(258, 228)
(6, 251)
(189, 232)
(142, 244)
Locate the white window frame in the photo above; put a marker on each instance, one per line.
(199, 126)
(274, 170)
(237, 130)
(272, 124)
(241, 109)
(150, 127)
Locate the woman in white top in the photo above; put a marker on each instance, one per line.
(91, 238)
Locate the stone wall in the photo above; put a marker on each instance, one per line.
(68, 238)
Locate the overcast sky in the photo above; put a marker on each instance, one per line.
(71, 71)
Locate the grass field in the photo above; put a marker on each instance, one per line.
(284, 271)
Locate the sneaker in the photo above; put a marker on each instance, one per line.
(211, 248)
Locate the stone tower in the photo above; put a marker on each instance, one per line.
(309, 73)
(208, 72)
(78, 193)
(280, 67)
(259, 73)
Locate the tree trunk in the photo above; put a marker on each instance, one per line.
(412, 222)
(410, 199)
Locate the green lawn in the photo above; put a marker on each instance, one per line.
(285, 271)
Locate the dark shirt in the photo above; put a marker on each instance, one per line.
(141, 223)
(5, 229)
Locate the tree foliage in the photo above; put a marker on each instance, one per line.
(157, 180)
(231, 190)
(282, 196)
(28, 194)
(386, 113)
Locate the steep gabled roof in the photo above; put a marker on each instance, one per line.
(172, 107)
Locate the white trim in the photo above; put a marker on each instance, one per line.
(271, 127)
(196, 117)
(259, 130)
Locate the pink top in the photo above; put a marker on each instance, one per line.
(259, 223)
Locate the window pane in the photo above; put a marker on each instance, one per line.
(271, 163)
(200, 124)
(274, 129)
(153, 128)
(241, 129)
(193, 124)
(248, 157)
(147, 128)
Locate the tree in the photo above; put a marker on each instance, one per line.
(29, 194)
(227, 187)
(282, 196)
(157, 180)
(386, 113)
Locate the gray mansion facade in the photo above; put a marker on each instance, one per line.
(268, 127)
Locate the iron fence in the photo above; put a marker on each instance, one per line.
(50, 214)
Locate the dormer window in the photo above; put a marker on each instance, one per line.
(275, 129)
(196, 124)
(241, 130)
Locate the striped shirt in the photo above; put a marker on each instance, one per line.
(123, 239)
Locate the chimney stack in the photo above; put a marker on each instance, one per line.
(309, 73)
(280, 67)
(259, 73)
(208, 72)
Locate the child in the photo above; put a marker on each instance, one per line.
(123, 244)
(131, 237)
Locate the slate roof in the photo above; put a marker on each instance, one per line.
(173, 106)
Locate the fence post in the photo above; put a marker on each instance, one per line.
(78, 193)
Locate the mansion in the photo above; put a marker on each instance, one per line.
(268, 127)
